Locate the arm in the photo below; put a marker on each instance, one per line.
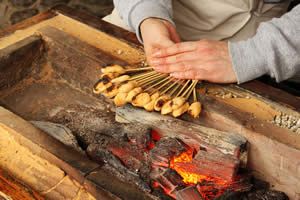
(274, 50)
(134, 12)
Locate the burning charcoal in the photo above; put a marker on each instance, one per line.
(159, 192)
(213, 165)
(189, 193)
(168, 179)
(165, 150)
(138, 134)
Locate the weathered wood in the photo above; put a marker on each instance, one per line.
(211, 139)
(15, 189)
(16, 60)
(274, 94)
(27, 23)
(99, 24)
(52, 35)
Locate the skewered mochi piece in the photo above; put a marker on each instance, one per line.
(101, 86)
(141, 99)
(195, 109)
(126, 86)
(112, 91)
(177, 102)
(120, 79)
(133, 93)
(113, 69)
(181, 110)
(150, 106)
(120, 99)
(167, 108)
(161, 101)
(109, 76)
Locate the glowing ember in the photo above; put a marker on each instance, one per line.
(210, 187)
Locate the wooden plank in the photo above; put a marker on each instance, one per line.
(27, 23)
(15, 189)
(99, 24)
(273, 94)
(52, 35)
(50, 165)
(16, 60)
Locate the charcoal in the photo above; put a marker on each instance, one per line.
(138, 134)
(115, 166)
(229, 195)
(159, 192)
(165, 150)
(189, 193)
(266, 195)
(130, 154)
(168, 179)
(127, 176)
(212, 165)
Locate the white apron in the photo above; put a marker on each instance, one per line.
(232, 20)
(223, 19)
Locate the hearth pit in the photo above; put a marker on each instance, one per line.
(166, 167)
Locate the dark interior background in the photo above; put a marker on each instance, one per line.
(14, 11)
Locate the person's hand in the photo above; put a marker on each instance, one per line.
(156, 34)
(202, 60)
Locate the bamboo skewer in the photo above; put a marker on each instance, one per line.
(157, 89)
(194, 94)
(174, 90)
(149, 78)
(139, 76)
(163, 92)
(190, 89)
(183, 88)
(163, 80)
(138, 69)
(153, 80)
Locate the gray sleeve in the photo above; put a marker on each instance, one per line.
(133, 12)
(274, 50)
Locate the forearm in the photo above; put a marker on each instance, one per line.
(274, 50)
(133, 12)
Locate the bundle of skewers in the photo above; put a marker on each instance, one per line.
(151, 90)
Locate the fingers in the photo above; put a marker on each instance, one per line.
(200, 74)
(175, 49)
(177, 67)
(181, 57)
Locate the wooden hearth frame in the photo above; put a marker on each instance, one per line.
(274, 153)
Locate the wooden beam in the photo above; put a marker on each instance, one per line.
(192, 134)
